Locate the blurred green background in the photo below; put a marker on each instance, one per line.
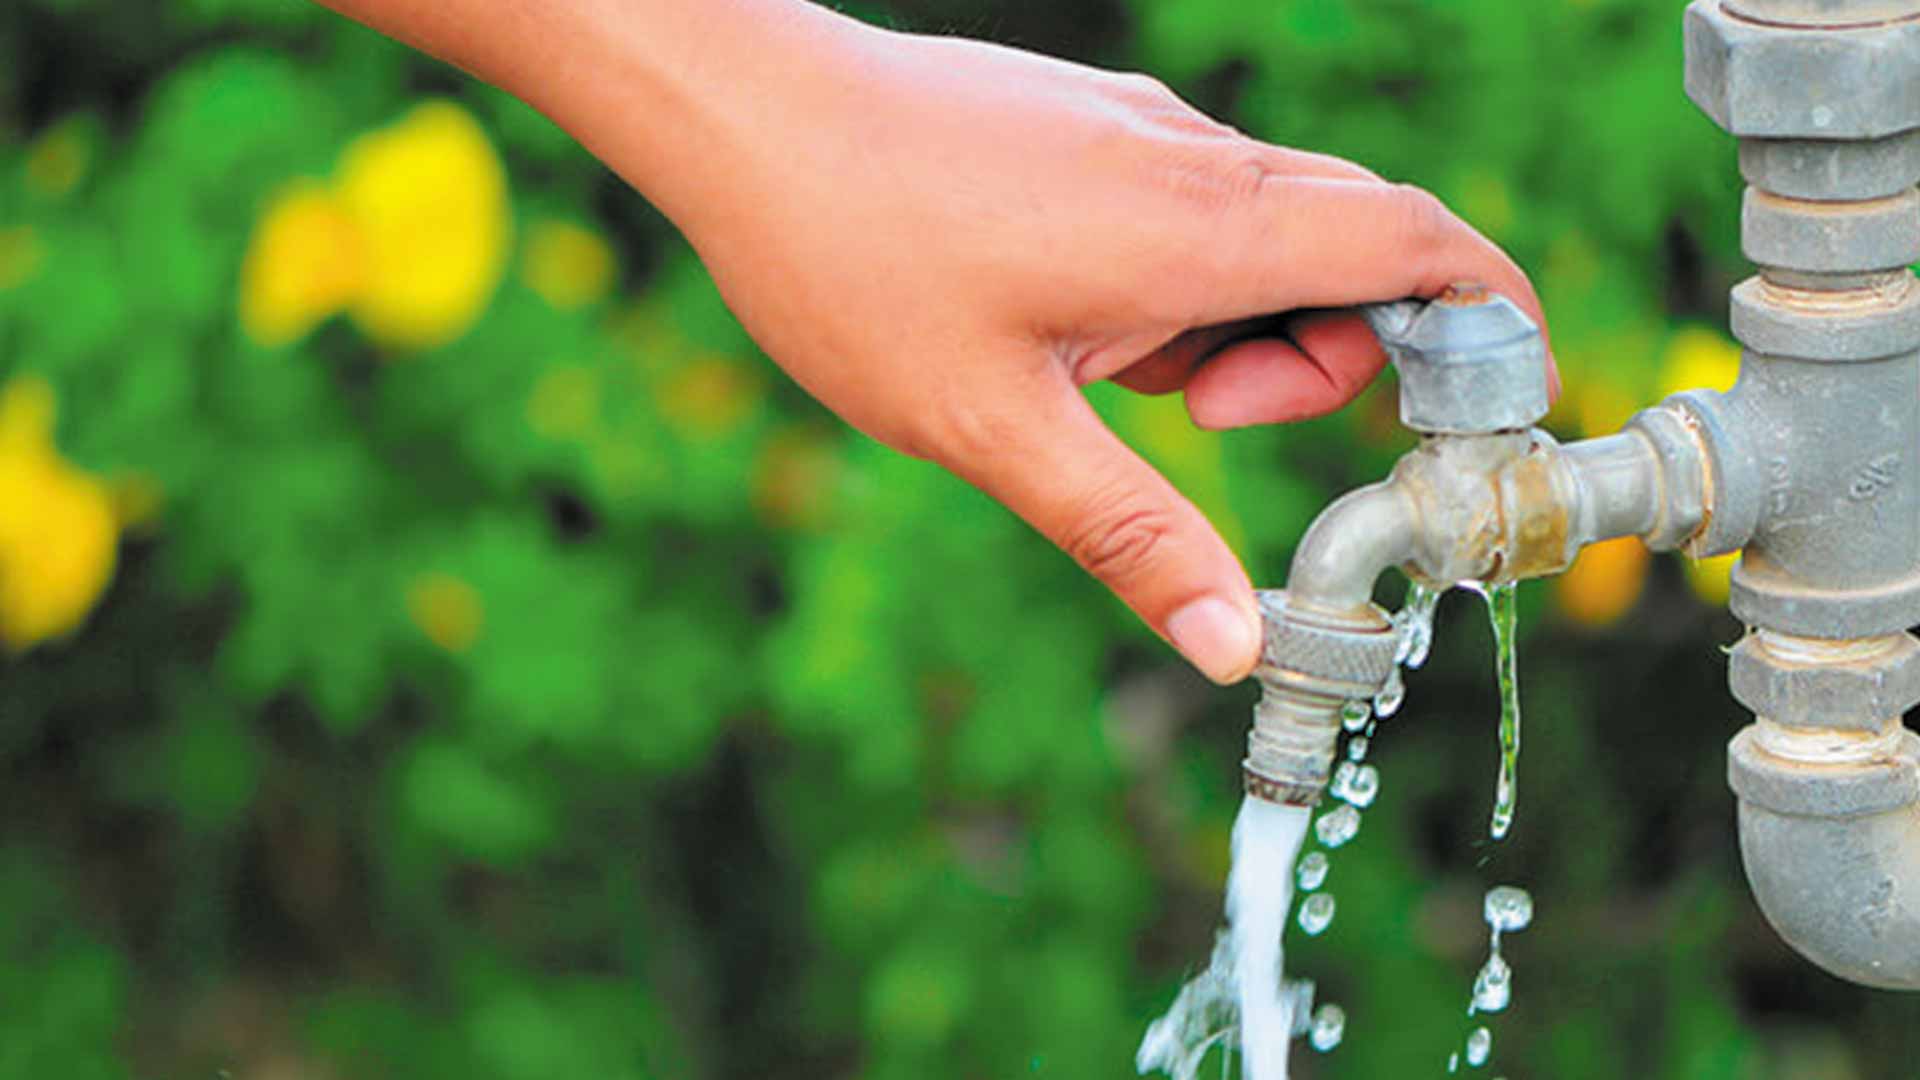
(436, 644)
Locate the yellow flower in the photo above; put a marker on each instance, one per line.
(304, 264)
(1711, 579)
(447, 610)
(58, 533)
(1698, 357)
(20, 255)
(429, 196)
(568, 265)
(1603, 581)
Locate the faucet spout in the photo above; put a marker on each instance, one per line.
(1485, 497)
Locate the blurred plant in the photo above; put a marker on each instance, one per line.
(57, 526)
(575, 698)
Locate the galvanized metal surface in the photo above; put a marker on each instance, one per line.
(1779, 81)
(1818, 683)
(1492, 506)
(1821, 432)
(1825, 237)
(1826, 169)
(1823, 12)
(1470, 363)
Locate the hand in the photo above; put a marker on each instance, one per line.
(943, 240)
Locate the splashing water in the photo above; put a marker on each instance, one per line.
(1337, 826)
(1508, 909)
(1493, 987)
(1312, 871)
(1503, 614)
(1479, 1046)
(1316, 913)
(1415, 624)
(1328, 1028)
(1356, 784)
(1241, 993)
(1241, 990)
(1388, 700)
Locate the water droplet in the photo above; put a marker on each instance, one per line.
(1387, 701)
(1337, 826)
(1453, 1062)
(1493, 987)
(1329, 1026)
(1312, 871)
(1316, 913)
(1357, 748)
(1479, 1046)
(1357, 784)
(1415, 625)
(1355, 714)
(1508, 908)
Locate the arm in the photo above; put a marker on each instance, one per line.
(943, 240)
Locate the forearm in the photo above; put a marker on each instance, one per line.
(669, 93)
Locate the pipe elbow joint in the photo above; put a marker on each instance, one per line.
(1832, 850)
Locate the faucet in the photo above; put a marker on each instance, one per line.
(1806, 467)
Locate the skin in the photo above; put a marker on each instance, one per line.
(944, 240)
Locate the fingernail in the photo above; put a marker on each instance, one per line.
(1216, 637)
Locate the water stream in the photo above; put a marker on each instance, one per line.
(1503, 614)
(1242, 1000)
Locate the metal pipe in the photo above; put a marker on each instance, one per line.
(1480, 499)
(1344, 551)
(1821, 434)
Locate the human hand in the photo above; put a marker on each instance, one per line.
(943, 240)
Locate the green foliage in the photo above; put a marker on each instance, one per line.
(576, 700)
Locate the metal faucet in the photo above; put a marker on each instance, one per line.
(1806, 467)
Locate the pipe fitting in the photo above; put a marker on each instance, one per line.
(1493, 505)
(1781, 81)
(1830, 852)
(1846, 685)
(1313, 661)
(1470, 363)
(1832, 170)
(1834, 326)
(1824, 237)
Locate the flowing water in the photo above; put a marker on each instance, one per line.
(1241, 991)
(1503, 614)
(1508, 909)
(1242, 999)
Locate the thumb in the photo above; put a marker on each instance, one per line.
(1058, 466)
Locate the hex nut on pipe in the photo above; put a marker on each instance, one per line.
(1831, 237)
(1833, 170)
(1859, 696)
(1822, 13)
(1858, 326)
(1784, 82)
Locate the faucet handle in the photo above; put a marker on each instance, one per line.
(1470, 361)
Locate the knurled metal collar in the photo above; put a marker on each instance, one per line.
(1284, 792)
(1358, 658)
